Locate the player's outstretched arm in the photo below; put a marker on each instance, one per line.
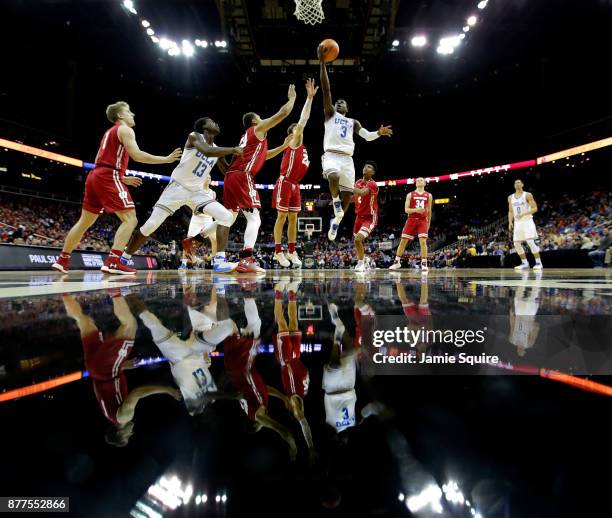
(271, 153)
(298, 132)
(196, 140)
(328, 106)
(128, 139)
(278, 117)
(383, 131)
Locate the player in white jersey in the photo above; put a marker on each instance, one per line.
(200, 226)
(524, 327)
(339, 377)
(521, 208)
(200, 155)
(190, 358)
(338, 147)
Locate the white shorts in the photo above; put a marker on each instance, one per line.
(340, 410)
(341, 378)
(202, 224)
(524, 230)
(341, 164)
(176, 196)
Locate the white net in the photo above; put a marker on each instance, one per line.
(309, 11)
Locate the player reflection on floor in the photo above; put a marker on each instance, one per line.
(106, 358)
(240, 352)
(524, 328)
(190, 358)
(287, 347)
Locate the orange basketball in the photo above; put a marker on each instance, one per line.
(329, 50)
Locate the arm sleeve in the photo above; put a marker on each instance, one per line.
(368, 135)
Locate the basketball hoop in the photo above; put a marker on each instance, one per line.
(309, 230)
(309, 11)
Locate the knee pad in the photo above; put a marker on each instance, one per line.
(519, 248)
(157, 217)
(532, 246)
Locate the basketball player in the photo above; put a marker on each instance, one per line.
(239, 192)
(524, 327)
(200, 226)
(338, 147)
(186, 185)
(240, 352)
(106, 188)
(366, 212)
(521, 208)
(418, 206)
(106, 356)
(287, 346)
(190, 359)
(286, 196)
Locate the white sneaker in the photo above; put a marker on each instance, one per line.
(295, 260)
(361, 267)
(338, 212)
(538, 266)
(395, 266)
(522, 266)
(333, 230)
(281, 259)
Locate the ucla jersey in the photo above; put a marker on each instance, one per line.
(340, 410)
(520, 205)
(193, 169)
(339, 134)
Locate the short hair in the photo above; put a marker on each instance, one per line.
(345, 102)
(200, 123)
(112, 110)
(290, 128)
(519, 180)
(373, 164)
(247, 119)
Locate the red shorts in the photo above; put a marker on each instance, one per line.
(364, 225)
(239, 192)
(104, 191)
(294, 373)
(103, 358)
(415, 227)
(286, 196)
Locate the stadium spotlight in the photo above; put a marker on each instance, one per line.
(395, 43)
(482, 4)
(466, 28)
(165, 43)
(129, 5)
(145, 24)
(198, 499)
(419, 41)
(445, 50)
(218, 498)
(174, 51)
(223, 44)
(217, 43)
(450, 41)
(188, 49)
(204, 498)
(154, 39)
(471, 21)
(150, 31)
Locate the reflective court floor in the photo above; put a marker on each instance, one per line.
(308, 393)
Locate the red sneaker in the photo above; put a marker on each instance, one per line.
(249, 265)
(115, 266)
(62, 264)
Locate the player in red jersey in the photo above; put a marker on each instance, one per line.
(366, 211)
(239, 192)
(106, 356)
(240, 352)
(286, 196)
(106, 188)
(418, 207)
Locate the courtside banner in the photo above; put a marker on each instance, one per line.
(20, 257)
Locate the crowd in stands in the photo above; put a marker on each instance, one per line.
(564, 221)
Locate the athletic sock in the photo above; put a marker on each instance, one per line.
(246, 252)
(291, 248)
(125, 258)
(278, 248)
(398, 258)
(538, 260)
(64, 255)
(423, 262)
(525, 262)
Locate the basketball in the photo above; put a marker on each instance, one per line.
(329, 50)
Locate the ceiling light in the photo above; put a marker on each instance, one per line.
(150, 31)
(419, 41)
(471, 21)
(395, 43)
(188, 49)
(145, 24)
(445, 50)
(482, 5)
(450, 41)
(154, 39)
(466, 28)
